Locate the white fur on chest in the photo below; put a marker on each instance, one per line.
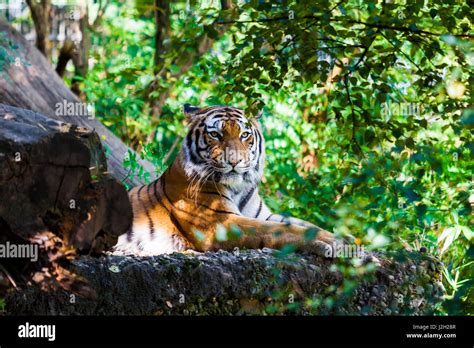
(145, 243)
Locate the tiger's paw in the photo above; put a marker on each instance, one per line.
(319, 248)
(343, 249)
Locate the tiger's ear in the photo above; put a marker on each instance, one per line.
(255, 119)
(190, 111)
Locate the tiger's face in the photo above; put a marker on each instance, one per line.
(223, 146)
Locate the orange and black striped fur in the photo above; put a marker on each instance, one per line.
(211, 191)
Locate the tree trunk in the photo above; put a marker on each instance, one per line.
(162, 32)
(81, 54)
(30, 82)
(40, 13)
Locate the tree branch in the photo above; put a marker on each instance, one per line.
(344, 21)
(65, 55)
(163, 30)
(403, 53)
(354, 126)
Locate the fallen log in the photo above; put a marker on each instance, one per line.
(46, 184)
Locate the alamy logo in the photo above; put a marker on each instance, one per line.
(23, 251)
(344, 251)
(402, 109)
(37, 331)
(67, 108)
(231, 155)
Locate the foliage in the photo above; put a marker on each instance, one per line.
(383, 151)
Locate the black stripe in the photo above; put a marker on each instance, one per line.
(259, 208)
(259, 149)
(197, 134)
(158, 196)
(217, 176)
(189, 139)
(217, 194)
(260, 142)
(215, 114)
(163, 183)
(269, 216)
(175, 222)
(140, 190)
(150, 221)
(215, 118)
(155, 192)
(235, 114)
(233, 189)
(245, 200)
(192, 156)
(217, 210)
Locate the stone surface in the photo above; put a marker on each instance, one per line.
(224, 283)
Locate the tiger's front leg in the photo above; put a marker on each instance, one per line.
(259, 234)
(295, 221)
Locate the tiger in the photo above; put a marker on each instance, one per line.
(208, 198)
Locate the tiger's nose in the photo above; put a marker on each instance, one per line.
(234, 162)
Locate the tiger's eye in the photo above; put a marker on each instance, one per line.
(245, 135)
(214, 135)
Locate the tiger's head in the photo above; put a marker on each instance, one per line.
(223, 146)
